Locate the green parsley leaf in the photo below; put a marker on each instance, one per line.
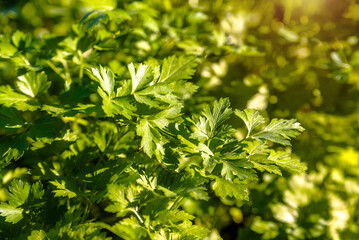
(17, 196)
(224, 188)
(64, 188)
(9, 98)
(251, 118)
(284, 160)
(18, 193)
(105, 77)
(141, 77)
(11, 213)
(38, 235)
(10, 118)
(280, 131)
(12, 147)
(214, 116)
(32, 83)
(177, 68)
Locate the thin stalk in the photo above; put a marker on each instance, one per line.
(81, 73)
(86, 212)
(54, 68)
(141, 220)
(176, 203)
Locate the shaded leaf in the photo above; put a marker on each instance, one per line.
(46, 127)
(12, 147)
(63, 189)
(10, 118)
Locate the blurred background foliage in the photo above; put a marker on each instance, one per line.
(286, 58)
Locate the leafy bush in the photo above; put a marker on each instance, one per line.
(115, 120)
(91, 151)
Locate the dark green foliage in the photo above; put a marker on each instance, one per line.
(98, 136)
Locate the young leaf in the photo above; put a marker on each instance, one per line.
(33, 83)
(63, 189)
(105, 77)
(177, 68)
(251, 118)
(7, 50)
(152, 141)
(280, 131)
(183, 89)
(142, 77)
(111, 105)
(216, 115)
(118, 15)
(166, 116)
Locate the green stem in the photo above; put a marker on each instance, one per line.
(137, 215)
(87, 211)
(54, 68)
(81, 73)
(176, 203)
(141, 220)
